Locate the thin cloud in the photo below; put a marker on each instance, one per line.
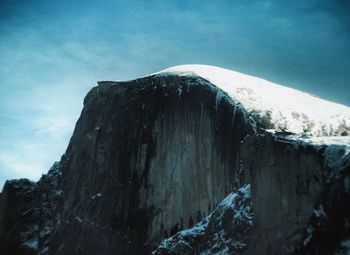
(52, 53)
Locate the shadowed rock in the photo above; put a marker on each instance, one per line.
(154, 156)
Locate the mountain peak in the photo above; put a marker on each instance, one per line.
(279, 107)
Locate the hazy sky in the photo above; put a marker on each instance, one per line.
(53, 52)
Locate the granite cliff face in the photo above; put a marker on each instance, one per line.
(176, 157)
(295, 183)
(297, 202)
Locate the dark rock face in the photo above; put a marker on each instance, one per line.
(299, 202)
(147, 158)
(328, 230)
(16, 200)
(154, 156)
(144, 157)
(286, 183)
(293, 183)
(29, 213)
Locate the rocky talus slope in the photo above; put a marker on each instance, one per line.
(191, 160)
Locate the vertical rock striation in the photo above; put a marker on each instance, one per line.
(299, 198)
(172, 156)
(147, 158)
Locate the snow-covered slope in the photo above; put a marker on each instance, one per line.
(282, 108)
(224, 231)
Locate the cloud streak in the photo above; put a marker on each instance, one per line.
(52, 53)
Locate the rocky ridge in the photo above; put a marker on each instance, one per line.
(154, 156)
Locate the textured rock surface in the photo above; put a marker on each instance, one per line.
(225, 231)
(287, 178)
(29, 213)
(286, 183)
(299, 198)
(157, 155)
(147, 157)
(143, 158)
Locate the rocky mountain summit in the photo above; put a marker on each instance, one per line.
(191, 160)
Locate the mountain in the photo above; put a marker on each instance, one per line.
(271, 105)
(191, 160)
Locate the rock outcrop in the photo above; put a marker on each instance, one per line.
(295, 183)
(29, 213)
(173, 156)
(299, 202)
(225, 231)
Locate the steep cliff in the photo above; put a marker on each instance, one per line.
(298, 204)
(157, 155)
(293, 183)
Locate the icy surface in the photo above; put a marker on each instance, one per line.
(284, 108)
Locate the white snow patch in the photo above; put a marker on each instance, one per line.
(245, 190)
(310, 230)
(179, 91)
(289, 109)
(79, 219)
(336, 148)
(45, 250)
(319, 212)
(241, 211)
(98, 195)
(33, 244)
(228, 201)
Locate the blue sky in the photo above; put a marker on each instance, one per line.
(53, 52)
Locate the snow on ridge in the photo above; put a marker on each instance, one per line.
(286, 109)
(335, 149)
